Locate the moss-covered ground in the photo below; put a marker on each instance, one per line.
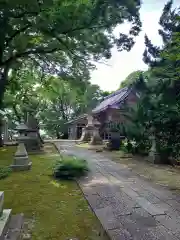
(57, 209)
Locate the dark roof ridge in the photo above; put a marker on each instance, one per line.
(116, 92)
(112, 99)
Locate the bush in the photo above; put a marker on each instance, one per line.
(70, 168)
(5, 172)
(134, 147)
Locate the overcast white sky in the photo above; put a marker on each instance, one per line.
(121, 64)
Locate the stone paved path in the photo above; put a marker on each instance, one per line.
(127, 206)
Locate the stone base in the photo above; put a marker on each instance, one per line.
(96, 141)
(21, 160)
(86, 135)
(4, 221)
(154, 158)
(21, 167)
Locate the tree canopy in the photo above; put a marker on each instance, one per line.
(133, 77)
(158, 109)
(51, 99)
(63, 36)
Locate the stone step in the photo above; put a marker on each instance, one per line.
(1, 201)
(15, 227)
(4, 222)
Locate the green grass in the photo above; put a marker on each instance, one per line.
(6, 155)
(58, 208)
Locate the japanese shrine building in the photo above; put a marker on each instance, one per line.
(109, 110)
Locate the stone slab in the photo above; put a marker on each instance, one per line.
(4, 221)
(94, 201)
(119, 234)
(169, 210)
(1, 202)
(172, 224)
(149, 207)
(175, 204)
(107, 218)
(150, 197)
(131, 193)
(15, 227)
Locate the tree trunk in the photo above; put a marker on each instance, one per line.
(3, 84)
(1, 139)
(18, 116)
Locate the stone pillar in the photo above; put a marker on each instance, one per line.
(154, 156)
(5, 130)
(5, 215)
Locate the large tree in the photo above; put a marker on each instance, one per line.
(133, 77)
(158, 110)
(67, 33)
(51, 99)
(61, 102)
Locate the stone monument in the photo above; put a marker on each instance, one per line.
(5, 130)
(154, 155)
(21, 159)
(33, 142)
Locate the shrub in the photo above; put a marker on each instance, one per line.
(70, 168)
(5, 172)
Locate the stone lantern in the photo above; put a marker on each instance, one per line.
(95, 137)
(34, 143)
(87, 130)
(21, 159)
(22, 130)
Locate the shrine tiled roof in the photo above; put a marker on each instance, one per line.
(112, 100)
